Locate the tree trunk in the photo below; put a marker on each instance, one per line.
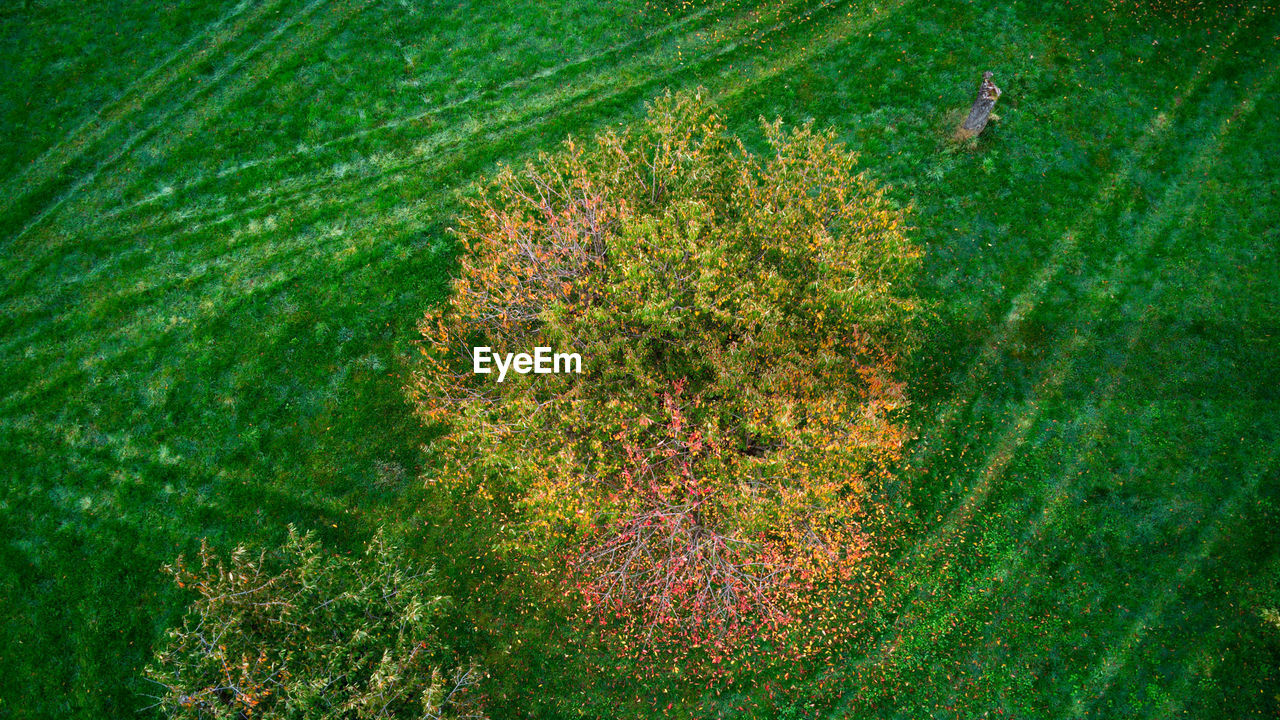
(980, 113)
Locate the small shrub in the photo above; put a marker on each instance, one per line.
(302, 634)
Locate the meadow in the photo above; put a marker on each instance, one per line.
(220, 222)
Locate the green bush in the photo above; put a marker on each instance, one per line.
(303, 634)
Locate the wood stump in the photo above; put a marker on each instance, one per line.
(980, 113)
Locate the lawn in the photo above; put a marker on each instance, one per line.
(221, 221)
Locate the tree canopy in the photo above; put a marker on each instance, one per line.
(740, 319)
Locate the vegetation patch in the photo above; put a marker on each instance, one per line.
(302, 633)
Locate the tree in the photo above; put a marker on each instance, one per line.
(303, 634)
(740, 319)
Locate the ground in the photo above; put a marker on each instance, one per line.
(221, 221)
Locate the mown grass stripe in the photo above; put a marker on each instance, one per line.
(309, 186)
(183, 218)
(132, 100)
(507, 115)
(196, 117)
(547, 74)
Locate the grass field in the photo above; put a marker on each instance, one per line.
(221, 221)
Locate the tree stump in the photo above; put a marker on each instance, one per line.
(980, 113)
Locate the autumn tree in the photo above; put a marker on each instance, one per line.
(303, 634)
(740, 318)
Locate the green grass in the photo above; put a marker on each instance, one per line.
(221, 221)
